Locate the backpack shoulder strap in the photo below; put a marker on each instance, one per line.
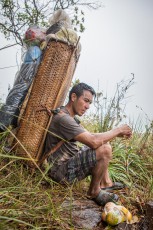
(54, 149)
(58, 145)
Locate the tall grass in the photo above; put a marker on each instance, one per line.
(110, 112)
(33, 201)
(132, 161)
(27, 201)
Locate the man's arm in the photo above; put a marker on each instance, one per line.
(97, 139)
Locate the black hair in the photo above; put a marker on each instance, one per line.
(79, 88)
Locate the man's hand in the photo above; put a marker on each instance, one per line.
(125, 131)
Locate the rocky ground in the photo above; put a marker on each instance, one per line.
(86, 214)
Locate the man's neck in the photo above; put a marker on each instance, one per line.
(69, 109)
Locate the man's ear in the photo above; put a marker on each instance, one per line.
(73, 97)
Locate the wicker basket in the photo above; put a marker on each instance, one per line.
(48, 92)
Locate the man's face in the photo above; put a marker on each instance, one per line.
(82, 103)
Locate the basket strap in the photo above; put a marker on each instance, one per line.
(58, 145)
(43, 108)
(54, 149)
(49, 112)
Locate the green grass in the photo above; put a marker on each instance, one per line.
(30, 200)
(27, 201)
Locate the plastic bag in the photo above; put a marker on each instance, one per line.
(58, 20)
(34, 35)
(61, 29)
(62, 17)
(9, 112)
(33, 55)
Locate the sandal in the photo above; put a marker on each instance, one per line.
(105, 197)
(115, 186)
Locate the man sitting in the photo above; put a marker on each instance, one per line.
(70, 163)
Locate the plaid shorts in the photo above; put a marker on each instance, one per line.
(76, 168)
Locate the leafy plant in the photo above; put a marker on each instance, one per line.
(17, 15)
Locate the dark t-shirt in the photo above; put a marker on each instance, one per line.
(63, 127)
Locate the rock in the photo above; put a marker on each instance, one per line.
(86, 214)
(149, 214)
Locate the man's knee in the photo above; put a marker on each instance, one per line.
(104, 151)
